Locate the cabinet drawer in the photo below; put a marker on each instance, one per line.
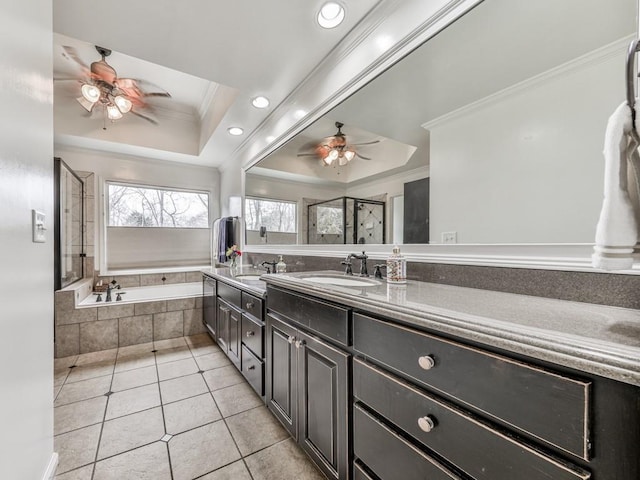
(546, 405)
(252, 305)
(390, 456)
(327, 319)
(475, 448)
(253, 370)
(252, 333)
(230, 294)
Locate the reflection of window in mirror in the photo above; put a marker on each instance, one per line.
(270, 221)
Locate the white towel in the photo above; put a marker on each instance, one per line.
(617, 229)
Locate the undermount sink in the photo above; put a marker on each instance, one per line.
(341, 281)
(248, 276)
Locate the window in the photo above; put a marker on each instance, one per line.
(274, 215)
(137, 206)
(152, 227)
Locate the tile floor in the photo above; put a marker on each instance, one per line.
(173, 409)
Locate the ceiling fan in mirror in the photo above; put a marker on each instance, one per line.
(336, 150)
(102, 89)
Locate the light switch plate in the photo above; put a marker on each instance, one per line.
(37, 226)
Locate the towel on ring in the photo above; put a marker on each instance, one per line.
(617, 231)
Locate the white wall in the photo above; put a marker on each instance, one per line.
(145, 171)
(499, 171)
(26, 283)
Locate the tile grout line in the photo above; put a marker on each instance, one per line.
(104, 416)
(164, 420)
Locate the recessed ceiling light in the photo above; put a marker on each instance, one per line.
(260, 102)
(270, 138)
(235, 131)
(299, 114)
(331, 15)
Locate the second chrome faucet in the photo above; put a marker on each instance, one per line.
(363, 264)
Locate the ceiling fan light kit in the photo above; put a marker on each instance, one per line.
(101, 86)
(336, 148)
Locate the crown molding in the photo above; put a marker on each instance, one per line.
(595, 57)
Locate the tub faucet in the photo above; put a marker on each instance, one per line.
(110, 288)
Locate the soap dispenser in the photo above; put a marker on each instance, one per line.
(396, 267)
(281, 267)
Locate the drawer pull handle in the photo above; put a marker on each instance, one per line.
(252, 367)
(250, 333)
(249, 305)
(290, 339)
(426, 362)
(426, 424)
(300, 343)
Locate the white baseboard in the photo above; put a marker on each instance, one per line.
(50, 472)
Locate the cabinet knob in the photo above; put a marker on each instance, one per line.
(427, 423)
(252, 367)
(300, 343)
(250, 333)
(249, 305)
(426, 362)
(290, 339)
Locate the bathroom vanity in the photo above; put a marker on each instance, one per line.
(233, 313)
(378, 381)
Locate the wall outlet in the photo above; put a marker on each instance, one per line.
(449, 237)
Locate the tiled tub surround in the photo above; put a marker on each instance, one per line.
(118, 324)
(590, 287)
(171, 409)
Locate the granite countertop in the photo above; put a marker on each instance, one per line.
(593, 338)
(247, 279)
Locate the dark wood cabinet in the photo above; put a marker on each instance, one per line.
(307, 390)
(235, 319)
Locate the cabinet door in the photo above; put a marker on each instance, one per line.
(234, 336)
(282, 373)
(323, 379)
(223, 325)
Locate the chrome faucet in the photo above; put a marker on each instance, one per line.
(112, 286)
(269, 266)
(363, 264)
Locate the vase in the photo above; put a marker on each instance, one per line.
(234, 264)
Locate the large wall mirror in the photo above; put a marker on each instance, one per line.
(491, 132)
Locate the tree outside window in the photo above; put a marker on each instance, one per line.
(274, 215)
(136, 206)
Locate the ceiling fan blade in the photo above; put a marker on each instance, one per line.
(157, 94)
(71, 52)
(148, 119)
(373, 142)
(363, 157)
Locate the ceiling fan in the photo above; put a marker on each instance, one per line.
(101, 86)
(336, 148)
